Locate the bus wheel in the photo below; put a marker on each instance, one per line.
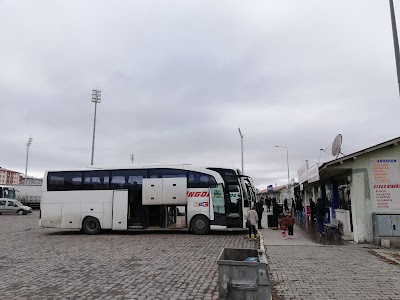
(91, 226)
(200, 225)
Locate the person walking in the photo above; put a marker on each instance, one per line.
(260, 209)
(252, 216)
(299, 210)
(320, 213)
(312, 211)
(283, 225)
(290, 221)
(285, 205)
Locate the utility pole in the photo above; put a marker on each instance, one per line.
(132, 158)
(287, 161)
(27, 155)
(241, 147)
(96, 98)
(395, 41)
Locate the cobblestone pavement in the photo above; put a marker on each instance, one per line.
(39, 263)
(304, 269)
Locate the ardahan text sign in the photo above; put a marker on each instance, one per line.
(386, 183)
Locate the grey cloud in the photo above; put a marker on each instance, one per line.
(179, 77)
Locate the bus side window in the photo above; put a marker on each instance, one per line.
(166, 173)
(127, 179)
(200, 180)
(96, 180)
(64, 181)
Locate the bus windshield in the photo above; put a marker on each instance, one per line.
(7, 192)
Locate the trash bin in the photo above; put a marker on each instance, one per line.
(239, 279)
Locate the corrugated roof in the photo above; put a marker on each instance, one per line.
(394, 141)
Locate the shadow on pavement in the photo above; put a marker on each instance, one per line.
(310, 231)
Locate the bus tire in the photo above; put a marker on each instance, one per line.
(91, 225)
(200, 225)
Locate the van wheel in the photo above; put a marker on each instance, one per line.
(91, 226)
(200, 225)
(20, 212)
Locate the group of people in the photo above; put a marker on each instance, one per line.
(283, 217)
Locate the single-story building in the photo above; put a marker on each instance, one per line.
(362, 190)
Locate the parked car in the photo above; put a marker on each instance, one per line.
(11, 206)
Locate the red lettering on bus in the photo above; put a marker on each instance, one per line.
(190, 194)
(204, 194)
(197, 194)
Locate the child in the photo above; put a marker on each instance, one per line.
(283, 224)
(290, 221)
(252, 216)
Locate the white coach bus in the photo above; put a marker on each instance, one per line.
(130, 198)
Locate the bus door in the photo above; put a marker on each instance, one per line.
(217, 205)
(246, 196)
(120, 210)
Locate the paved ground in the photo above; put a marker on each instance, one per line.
(39, 263)
(309, 268)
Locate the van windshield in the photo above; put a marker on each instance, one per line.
(18, 203)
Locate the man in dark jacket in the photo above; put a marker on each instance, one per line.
(285, 205)
(268, 203)
(260, 209)
(275, 214)
(299, 210)
(321, 213)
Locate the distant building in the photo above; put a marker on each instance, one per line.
(9, 177)
(30, 180)
(280, 193)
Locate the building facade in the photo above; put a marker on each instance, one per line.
(358, 189)
(9, 177)
(31, 180)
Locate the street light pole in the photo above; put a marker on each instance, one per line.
(241, 147)
(287, 160)
(96, 98)
(27, 155)
(395, 41)
(132, 158)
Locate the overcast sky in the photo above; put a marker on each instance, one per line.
(179, 77)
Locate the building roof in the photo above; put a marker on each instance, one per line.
(393, 142)
(6, 170)
(274, 189)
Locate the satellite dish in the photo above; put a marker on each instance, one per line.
(337, 145)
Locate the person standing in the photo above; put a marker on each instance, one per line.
(312, 211)
(275, 213)
(268, 203)
(260, 209)
(285, 205)
(320, 212)
(290, 221)
(293, 208)
(299, 210)
(252, 216)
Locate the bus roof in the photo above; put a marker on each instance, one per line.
(140, 166)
